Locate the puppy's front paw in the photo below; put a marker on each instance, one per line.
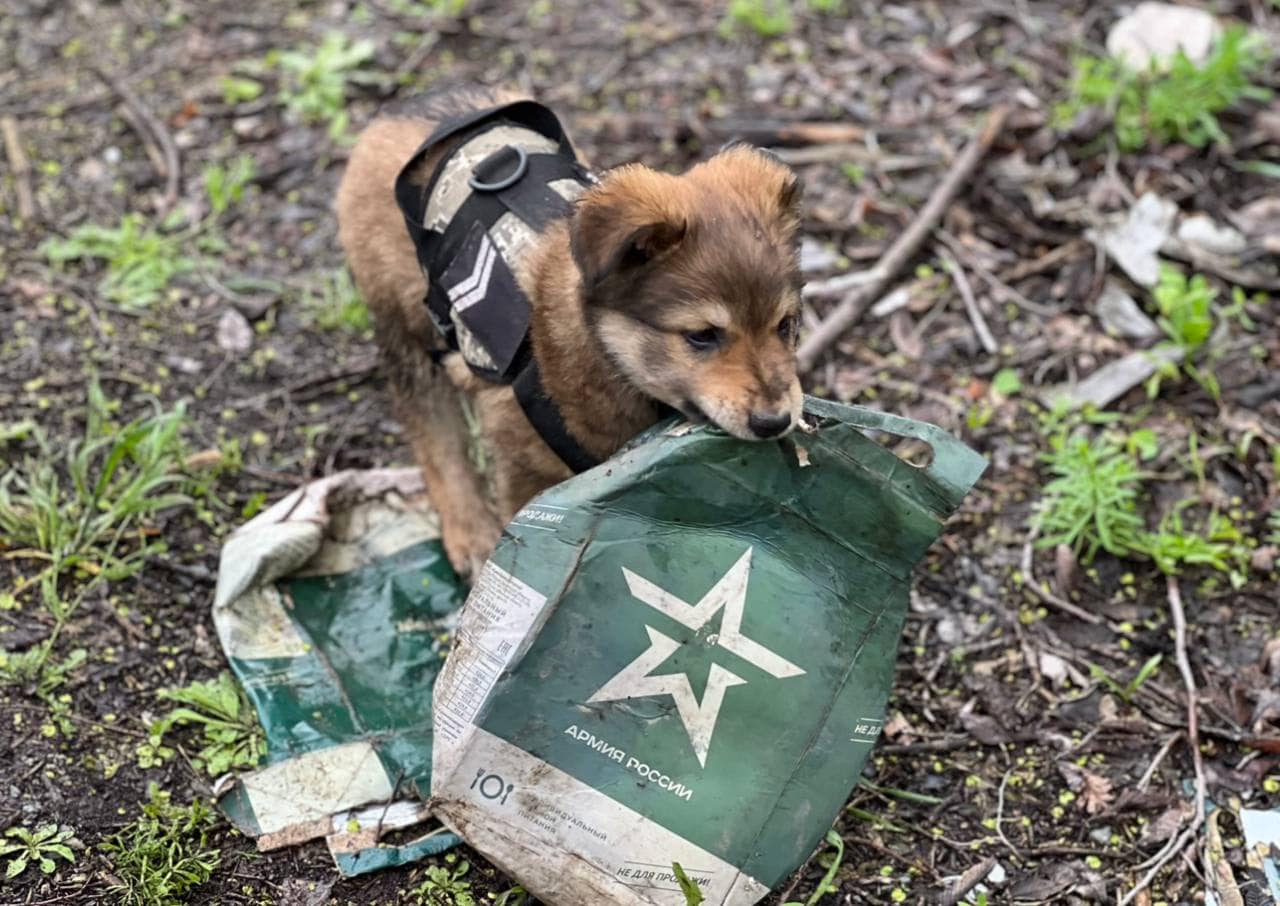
(468, 544)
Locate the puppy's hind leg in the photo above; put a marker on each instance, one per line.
(430, 408)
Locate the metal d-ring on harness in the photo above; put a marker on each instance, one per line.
(495, 207)
(517, 172)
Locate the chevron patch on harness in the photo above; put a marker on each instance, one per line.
(471, 290)
(490, 313)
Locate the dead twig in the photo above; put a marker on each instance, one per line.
(967, 881)
(906, 245)
(997, 285)
(1000, 813)
(970, 303)
(1145, 780)
(20, 168)
(1048, 261)
(1048, 597)
(158, 132)
(1176, 844)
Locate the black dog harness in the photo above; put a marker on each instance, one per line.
(512, 174)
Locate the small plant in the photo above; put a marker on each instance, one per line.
(1222, 547)
(39, 847)
(445, 886)
(767, 18)
(832, 862)
(316, 79)
(240, 90)
(225, 185)
(140, 261)
(450, 8)
(81, 518)
(164, 853)
(1092, 502)
(1179, 103)
(337, 305)
(689, 887)
(232, 736)
(1130, 689)
(1273, 527)
(1188, 317)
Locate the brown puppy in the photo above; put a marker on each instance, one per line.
(680, 290)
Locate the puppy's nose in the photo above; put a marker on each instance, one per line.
(768, 424)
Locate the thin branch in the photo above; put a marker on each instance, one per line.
(20, 168)
(873, 284)
(970, 303)
(159, 132)
(1048, 597)
(1177, 844)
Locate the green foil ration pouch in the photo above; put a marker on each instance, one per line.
(683, 656)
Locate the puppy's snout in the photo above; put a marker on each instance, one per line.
(768, 424)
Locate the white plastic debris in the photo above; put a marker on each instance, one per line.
(1135, 242)
(1201, 233)
(1115, 379)
(1120, 316)
(1154, 32)
(816, 257)
(235, 336)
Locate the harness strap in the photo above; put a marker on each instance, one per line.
(545, 417)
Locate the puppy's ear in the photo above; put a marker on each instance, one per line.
(764, 168)
(791, 195)
(624, 223)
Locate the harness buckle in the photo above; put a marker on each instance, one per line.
(484, 180)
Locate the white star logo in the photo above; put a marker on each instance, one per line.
(699, 718)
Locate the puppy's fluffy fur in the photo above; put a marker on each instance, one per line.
(678, 289)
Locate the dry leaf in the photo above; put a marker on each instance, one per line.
(1166, 824)
(896, 726)
(1096, 793)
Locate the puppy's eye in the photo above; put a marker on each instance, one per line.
(787, 328)
(707, 338)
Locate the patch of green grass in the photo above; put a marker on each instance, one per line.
(1188, 314)
(1006, 382)
(1179, 103)
(24, 847)
(140, 262)
(514, 896)
(445, 886)
(1273, 527)
(231, 733)
(315, 79)
(1091, 503)
(336, 304)
(240, 90)
(1129, 689)
(1222, 546)
(853, 172)
(767, 18)
(831, 861)
(225, 185)
(689, 887)
(772, 18)
(164, 854)
(450, 8)
(79, 512)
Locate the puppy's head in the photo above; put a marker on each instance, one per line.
(691, 285)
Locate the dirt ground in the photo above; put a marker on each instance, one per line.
(1002, 741)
